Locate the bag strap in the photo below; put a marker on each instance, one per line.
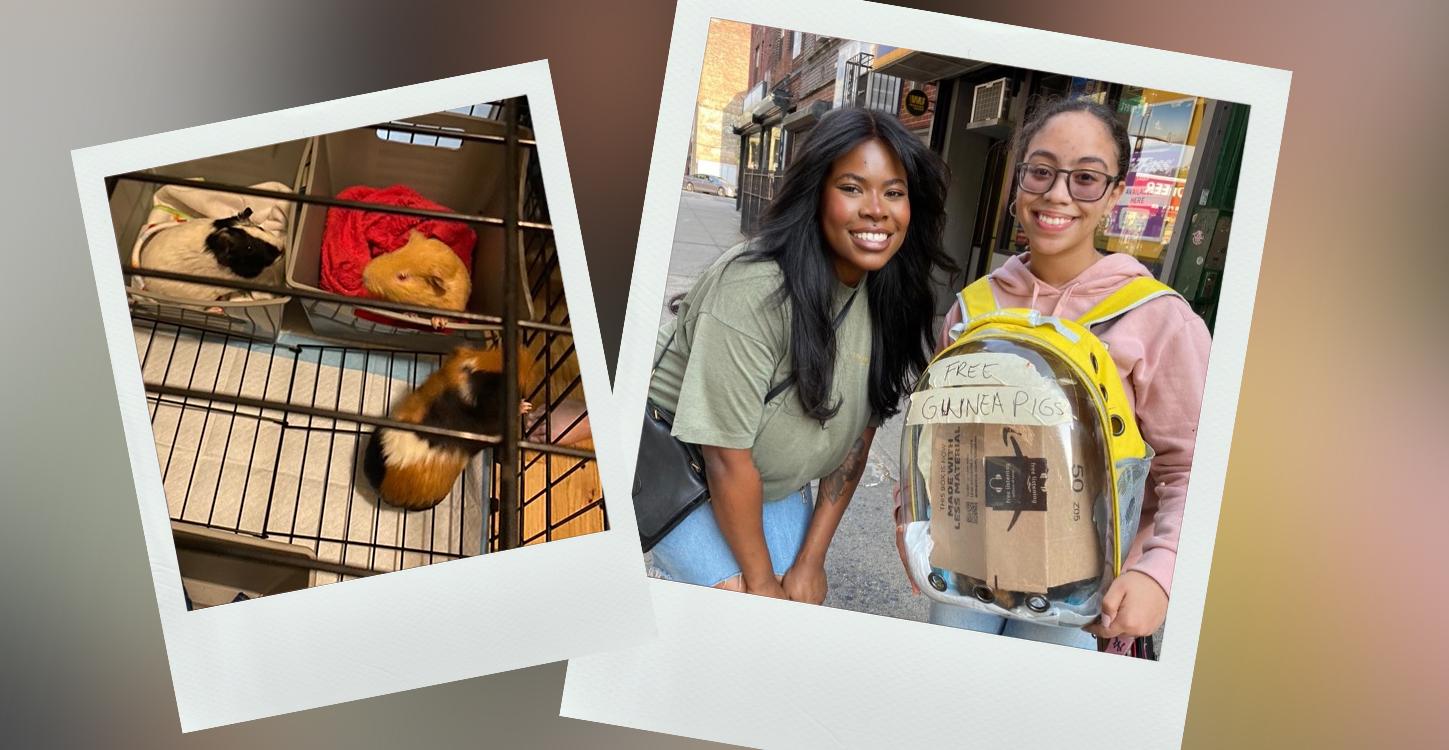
(1133, 294)
(789, 380)
(834, 325)
(664, 351)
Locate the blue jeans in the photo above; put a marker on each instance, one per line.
(981, 622)
(696, 552)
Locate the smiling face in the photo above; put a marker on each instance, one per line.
(864, 210)
(1060, 228)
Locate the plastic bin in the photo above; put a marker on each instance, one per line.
(214, 569)
(131, 203)
(466, 176)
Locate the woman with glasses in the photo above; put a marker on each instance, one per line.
(1074, 157)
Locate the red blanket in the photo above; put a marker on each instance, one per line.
(351, 237)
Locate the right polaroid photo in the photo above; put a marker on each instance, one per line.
(934, 340)
(971, 297)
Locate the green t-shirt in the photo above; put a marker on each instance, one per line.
(732, 347)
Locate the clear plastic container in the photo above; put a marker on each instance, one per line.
(1008, 484)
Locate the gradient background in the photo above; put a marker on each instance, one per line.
(1322, 621)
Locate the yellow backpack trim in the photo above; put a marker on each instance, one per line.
(978, 298)
(1073, 341)
(1132, 295)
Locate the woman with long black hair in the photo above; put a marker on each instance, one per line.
(791, 348)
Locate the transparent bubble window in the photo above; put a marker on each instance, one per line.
(1008, 484)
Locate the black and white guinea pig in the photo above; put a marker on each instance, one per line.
(230, 248)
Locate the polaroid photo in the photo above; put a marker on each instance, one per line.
(358, 364)
(1059, 462)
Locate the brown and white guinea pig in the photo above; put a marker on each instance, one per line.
(415, 471)
(424, 271)
(230, 248)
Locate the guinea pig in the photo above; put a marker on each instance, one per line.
(229, 248)
(415, 471)
(978, 588)
(424, 271)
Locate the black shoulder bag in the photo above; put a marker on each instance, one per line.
(669, 477)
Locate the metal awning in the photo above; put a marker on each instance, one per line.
(923, 66)
(804, 118)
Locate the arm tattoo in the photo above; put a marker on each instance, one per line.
(834, 487)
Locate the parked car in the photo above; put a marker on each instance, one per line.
(708, 183)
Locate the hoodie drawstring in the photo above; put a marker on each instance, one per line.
(1062, 300)
(1066, 295)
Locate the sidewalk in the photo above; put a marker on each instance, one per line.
(863, 568)
(707, 226)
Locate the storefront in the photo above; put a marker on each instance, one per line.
(1175, 212)
(763, 142)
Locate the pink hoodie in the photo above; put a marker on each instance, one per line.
(1161, 352)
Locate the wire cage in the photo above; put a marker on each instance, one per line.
(261, 433)
(559, 495)
(254, 438)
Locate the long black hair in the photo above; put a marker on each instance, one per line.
(902, 301)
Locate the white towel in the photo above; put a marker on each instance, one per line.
(174, 204)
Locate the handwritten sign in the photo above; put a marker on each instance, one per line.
(982, 368)
(1042, 405)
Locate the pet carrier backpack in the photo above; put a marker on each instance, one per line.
(1024, 468)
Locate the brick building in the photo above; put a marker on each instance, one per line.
(713, 147)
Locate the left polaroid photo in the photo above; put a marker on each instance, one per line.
(354, 341)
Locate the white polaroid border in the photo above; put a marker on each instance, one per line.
(771, 673)
(411, 628)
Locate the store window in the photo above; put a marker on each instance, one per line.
(1162, 129)
(1086, 88)
(777, 150)
(752, 152)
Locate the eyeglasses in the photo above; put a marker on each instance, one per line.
(1086, 185)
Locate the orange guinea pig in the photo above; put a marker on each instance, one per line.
(415, 470)
(422, 272)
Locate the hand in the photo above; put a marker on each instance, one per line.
(769, 587)
(1134, 605)
(805, 583)
(901, 541)
(901, 549)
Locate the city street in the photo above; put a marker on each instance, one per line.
(862, 567)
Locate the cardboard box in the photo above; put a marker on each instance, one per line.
(1004, 508)
(1011, 479)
